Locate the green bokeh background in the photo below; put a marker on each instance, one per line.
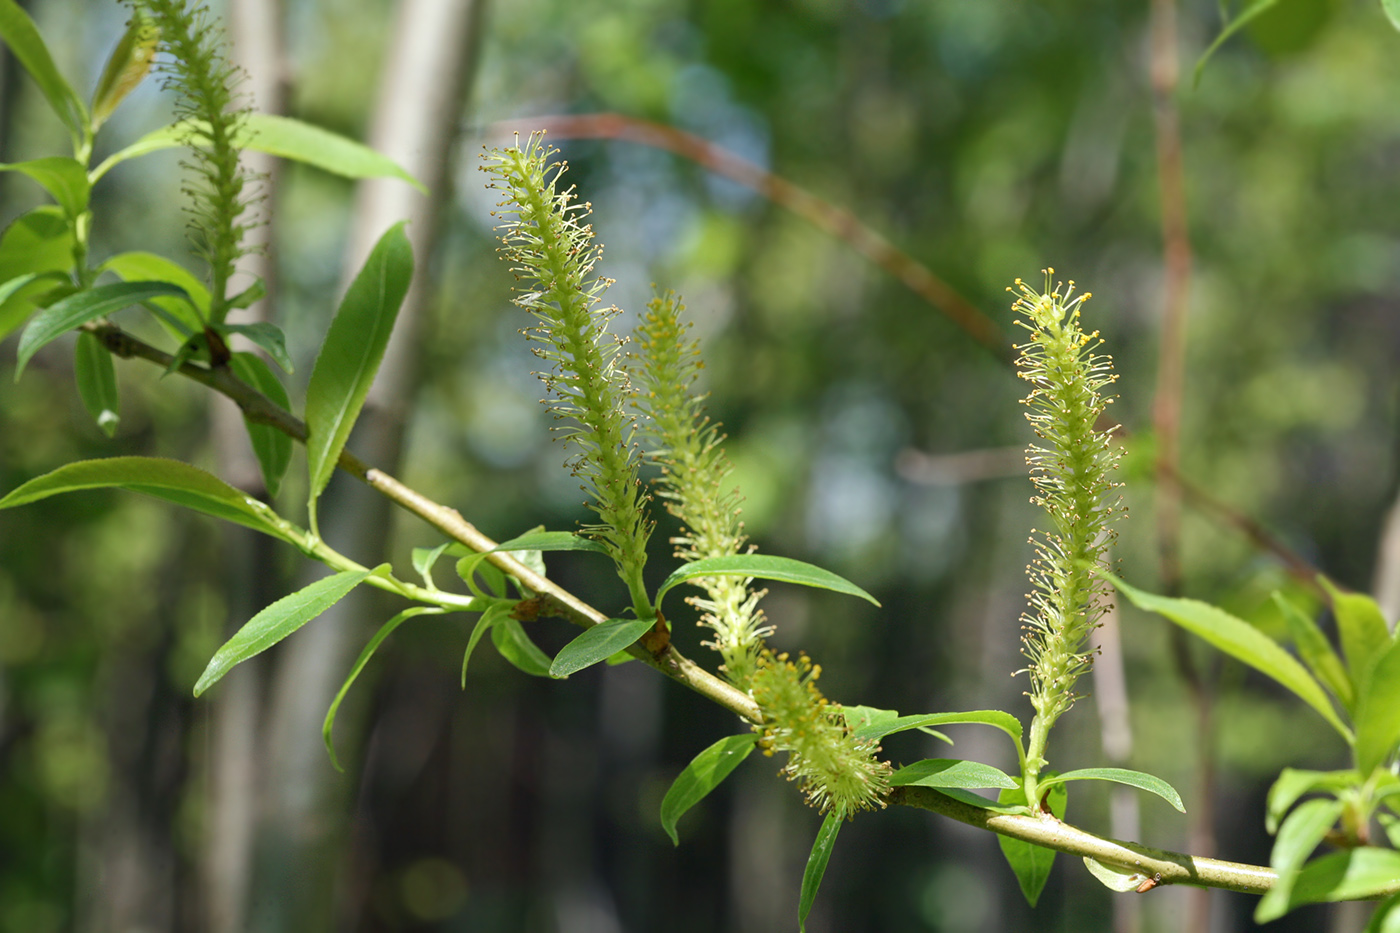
(989, 140)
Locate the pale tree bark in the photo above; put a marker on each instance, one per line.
(417, 114)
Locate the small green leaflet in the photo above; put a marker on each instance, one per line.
(384, 632)
(267, 336)
(97, 382)
(1241, 641)
(1121, 880)
(550, 541)
(951, 772)
(75, 310)
(1031, 863)
(863, 717)
(816, 866)
(598, 644)
(272, 447)
(351, 354)
(516, 647)
(278, 621)
(1148, 782)
(705, 772)
(762, 567)
(170, 480)
(493, 614)
(1293, 783)
(424, 559)
(279, 136)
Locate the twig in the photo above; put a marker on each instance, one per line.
(836, 221)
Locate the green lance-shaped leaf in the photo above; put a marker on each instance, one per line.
(1031, 863)
(17, 297)
(1148, 782)
(1363, 631)
(1353, 875)
(816, 866)
(1241, 641)
(63, 178)
(385, 630)
(1317, 653)
(267, 336)
(19, 33)
(1231, 27)
(278, 621)
(705, 772)
(1378, 712)
(1293, 784)
(169, 480)
(862, 718)
(516, 647)
(352, 352)
(762, 567)
(950, 772)
(1121, 880)
(272, 447)
(97, 382)
(500, 612)
(74, 311)
(279, 136)
(181, 317)
(879, 728)
(127, 67)
(1299, 835)
(597, 644)
(1386, 919)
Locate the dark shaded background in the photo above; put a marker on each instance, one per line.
(989, 140)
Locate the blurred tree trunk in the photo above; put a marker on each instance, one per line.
(421, 96)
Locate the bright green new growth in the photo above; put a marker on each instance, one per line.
(551, 249)
(836, 772)
(1070, 473)
(686, 444)
(203, 80)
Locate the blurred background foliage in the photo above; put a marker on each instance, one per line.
(868, 433)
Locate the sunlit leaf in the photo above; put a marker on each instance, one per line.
(1148, 782)
(816, 867)
(1363, 631)
(1030, 863)
(705, 772)
(1299, 835)
(384, 632)
(1293, 783)
(1241, 641)
(1317, 652)
(762, 567)
(352, 351)
(1378, 712)
(63, 178)
(127, 66)
(951, 772)
(278, 621)
(1353, 875)
(598, 644)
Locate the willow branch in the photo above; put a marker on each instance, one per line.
(834, 220)
(656, 652)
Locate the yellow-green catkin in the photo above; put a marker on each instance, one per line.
(552, 253)
(218, 189)
(834, 770)
(692, 483)
(1069, 466)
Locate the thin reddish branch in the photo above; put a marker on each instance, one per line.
(836, 221)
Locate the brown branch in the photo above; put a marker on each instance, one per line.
(834, 220)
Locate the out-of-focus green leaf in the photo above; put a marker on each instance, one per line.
(351, 354)
(762, 567)
(1317, 653)
(97, 382)
(950, 772)
(1293, 783)
(278, 621)
(705, 772)
(63, 178)
(127, 66)
(598, 644)
(13, 308)
(1300, 834)
(1363, 631)
(879, 728)
(1353, 875)
(180, 316)
(1241, 641)
(1386, 919)
(279, 136)
(1148, 782)
(38, 245)
(516, 647)
(1231, 27)
(170, 480)
(424, 559)
(19, 33)
(384, 632)
(816, 867)
(1378, 711)
(62, 316)
(272, 447)
(1392, 11)
(1031, 863)
(493, 614)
